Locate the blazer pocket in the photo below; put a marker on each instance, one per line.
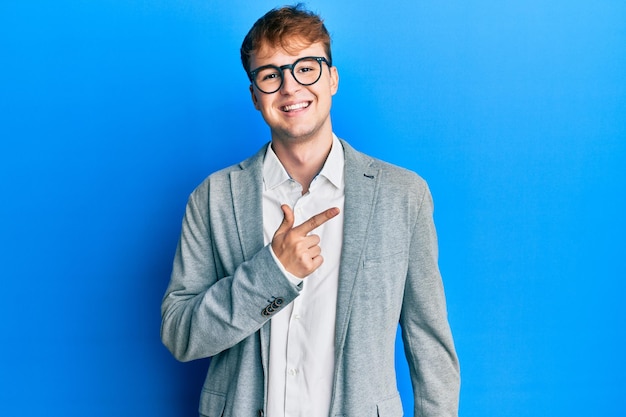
(388, 258)
(212, 404)
(391, 407)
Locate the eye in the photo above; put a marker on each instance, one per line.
(268, 75)
(305, 67)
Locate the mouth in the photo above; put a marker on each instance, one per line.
(296, 106)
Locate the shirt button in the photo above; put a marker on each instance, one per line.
(293, 372)
(297, 317)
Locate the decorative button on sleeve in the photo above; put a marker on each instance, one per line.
(272, 307)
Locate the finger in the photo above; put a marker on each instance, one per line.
(310, 240)
(287, 222)
(317, 262)
(316, 221)
(314, 252)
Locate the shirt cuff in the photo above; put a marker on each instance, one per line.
(292, 278)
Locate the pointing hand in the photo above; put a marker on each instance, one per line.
(298, 251)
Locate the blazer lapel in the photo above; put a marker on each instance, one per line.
(247, 193)
(361, 188)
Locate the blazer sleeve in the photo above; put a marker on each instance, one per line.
(204, 310)
(426, 334)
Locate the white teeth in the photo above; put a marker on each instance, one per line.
(296, 106)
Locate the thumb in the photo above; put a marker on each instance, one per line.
(287, 222)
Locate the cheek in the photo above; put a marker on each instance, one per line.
(267, 110)
(262, 104)
(334, 80)
(256, 101)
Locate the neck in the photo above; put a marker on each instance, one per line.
(303, 160)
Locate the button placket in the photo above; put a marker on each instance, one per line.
(294, 359)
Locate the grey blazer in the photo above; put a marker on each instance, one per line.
(225, 286)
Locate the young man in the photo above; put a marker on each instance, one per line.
(295, 266)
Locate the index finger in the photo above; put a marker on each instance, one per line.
(316, 221)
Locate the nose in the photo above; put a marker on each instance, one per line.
(290, 85)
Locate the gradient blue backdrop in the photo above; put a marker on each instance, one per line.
(112, 111)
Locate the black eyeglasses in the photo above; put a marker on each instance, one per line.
(306, 71)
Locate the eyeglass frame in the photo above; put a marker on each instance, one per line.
(252, 74)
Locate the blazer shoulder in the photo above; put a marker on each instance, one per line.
(400, 174)
(391, 174)
(222, 177)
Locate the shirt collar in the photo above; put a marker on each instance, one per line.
(274, 174)
(333, 167)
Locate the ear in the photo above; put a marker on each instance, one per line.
(255, 100)
(334, 80)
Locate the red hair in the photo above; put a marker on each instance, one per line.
(288, 27)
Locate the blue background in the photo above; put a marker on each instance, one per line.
(112, 111)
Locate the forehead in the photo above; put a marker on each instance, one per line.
(285, 53)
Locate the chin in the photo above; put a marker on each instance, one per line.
(300, 136)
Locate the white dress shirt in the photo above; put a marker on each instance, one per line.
(302, 341)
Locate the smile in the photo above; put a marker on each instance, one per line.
(296, 106)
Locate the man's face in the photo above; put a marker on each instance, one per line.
(295, 112)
